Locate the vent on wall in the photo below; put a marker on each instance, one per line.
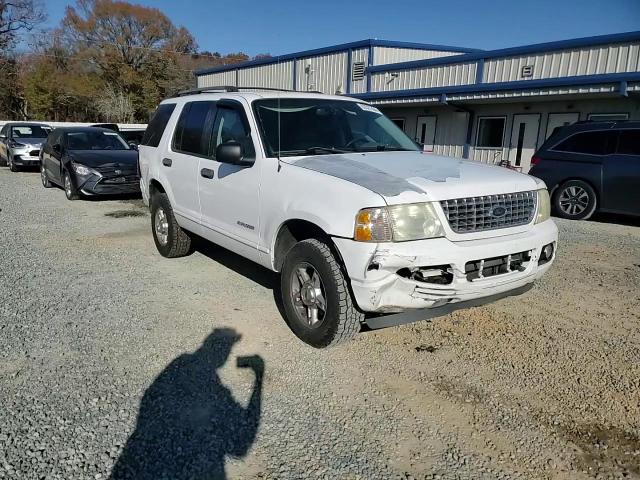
(357, 71)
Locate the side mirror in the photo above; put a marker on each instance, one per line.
(133, 145)
(232, 152)
(57, 148)
(3, 137)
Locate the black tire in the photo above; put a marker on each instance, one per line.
(70, 190)
(575, 200)
(341, 320)
(46, 183)
(12, 166)
(178, 241)
(3, 162)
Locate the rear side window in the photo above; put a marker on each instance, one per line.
(158, 123)
(629, 142)
(192, 133)
(590, 143)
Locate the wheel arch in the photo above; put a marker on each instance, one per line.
(295, 230)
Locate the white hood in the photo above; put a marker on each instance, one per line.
(408, 177)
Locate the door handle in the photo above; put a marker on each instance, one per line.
(167, 162)
(207, 173)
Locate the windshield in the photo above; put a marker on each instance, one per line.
(29, 131)
(96, 141)
(309, 126)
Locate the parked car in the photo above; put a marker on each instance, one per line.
(20, 144)
(591, 166)
(133, 136)
(362, 226)
(89, 161)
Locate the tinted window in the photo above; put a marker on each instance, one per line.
(29, 131)
(591, 143)
(194, 121)
(629, 142)
(230, 127)
(95, 140)
(490, 132)
(158, 123)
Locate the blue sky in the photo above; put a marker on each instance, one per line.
(255, 26)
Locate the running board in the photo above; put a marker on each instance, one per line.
(410, 316)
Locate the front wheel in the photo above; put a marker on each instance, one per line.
(575, 200)
(170, 239)
(12, 166)
(69, 189)
(46, 183)
(316, 298)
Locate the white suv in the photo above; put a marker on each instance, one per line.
(363, 226)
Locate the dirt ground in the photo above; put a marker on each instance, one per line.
(94, 323)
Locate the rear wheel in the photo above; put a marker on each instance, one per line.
(43, 176)
(170, 239)
(575, 200)
(316, 298)
(69, 189)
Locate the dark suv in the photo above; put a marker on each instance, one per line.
(591, 166)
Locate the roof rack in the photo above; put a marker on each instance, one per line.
(231, 88)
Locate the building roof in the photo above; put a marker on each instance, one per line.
(371, 42)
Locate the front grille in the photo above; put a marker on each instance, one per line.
(122, 179)
(489, 267)
(490, 212)
(34, 153)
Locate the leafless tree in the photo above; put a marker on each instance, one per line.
(115, 106)
(16, 16)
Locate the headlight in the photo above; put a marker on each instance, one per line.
(83, 170)
(544, 206)
(398, 223)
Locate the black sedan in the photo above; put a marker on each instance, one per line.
(89, 161)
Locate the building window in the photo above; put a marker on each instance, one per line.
(490, 132)
(608, 117)
(399, 123)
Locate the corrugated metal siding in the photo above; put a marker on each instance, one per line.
(217, 79)
(384, 55)
(360, 55)
(440, 76)
(451, 130)
(278, 75)
(488, 155)
(566, 63)
(329, 73)
(538, 92)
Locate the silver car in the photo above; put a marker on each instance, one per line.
(20, 144)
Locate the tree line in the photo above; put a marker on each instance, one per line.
(108, 60)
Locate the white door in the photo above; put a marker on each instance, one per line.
(229, 194)
(426, 132)
(524, 140)
(560, 120)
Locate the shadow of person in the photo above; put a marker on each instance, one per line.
(189, 421)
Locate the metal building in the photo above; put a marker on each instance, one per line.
(490, 106)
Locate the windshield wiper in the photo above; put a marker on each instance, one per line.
(383, 148)
(314, 151)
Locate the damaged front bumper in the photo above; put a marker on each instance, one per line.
(435, 273)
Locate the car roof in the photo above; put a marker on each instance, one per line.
(258, 94)
(26, 124)
(589, 125)
(83, 129)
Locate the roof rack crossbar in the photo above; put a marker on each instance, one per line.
(231, 88)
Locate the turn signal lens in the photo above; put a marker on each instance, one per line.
(372, 225)
(544, 206)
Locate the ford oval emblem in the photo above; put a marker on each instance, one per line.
(498, 212)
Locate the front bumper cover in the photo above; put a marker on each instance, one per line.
(377, 286)
(95, 185)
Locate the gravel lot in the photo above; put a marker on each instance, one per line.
(116, 361)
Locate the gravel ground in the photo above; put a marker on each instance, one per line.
(117, 362)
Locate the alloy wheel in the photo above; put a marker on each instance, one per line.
(308, 295)
(573, 200)
(161, 226)
(67, 186)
